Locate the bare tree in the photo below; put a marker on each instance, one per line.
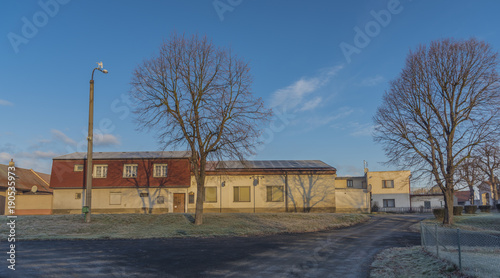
(469, 174)
(198, 96)
(444, 103)
(489, 163)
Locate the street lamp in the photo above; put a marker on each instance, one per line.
(88, 196)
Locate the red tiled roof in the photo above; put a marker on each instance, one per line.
(25, 179)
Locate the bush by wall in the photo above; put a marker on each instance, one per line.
(470, 209)
(484, 208)
(438, 213)
(458, 210)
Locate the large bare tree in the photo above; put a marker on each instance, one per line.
(198, 96)
(489, 162)
(444, 103)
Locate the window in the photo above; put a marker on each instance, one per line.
(78, 196)
(160, 200)
(144, 194)
(130, 171)
(160, 170)
(78, 168)
(349, 183)
(210, 195)
(389, 203)
(191, 198)
(427, 204)
(115, 198)
(388, 184)
(100, 171)
(275, 194)
(242, 193)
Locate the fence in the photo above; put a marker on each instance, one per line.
(475, 253)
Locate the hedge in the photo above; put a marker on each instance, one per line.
(485, 208)
(470, 209)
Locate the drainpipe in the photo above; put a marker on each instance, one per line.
(409, 189)
(286, 191)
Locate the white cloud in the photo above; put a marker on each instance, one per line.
(6, 102)
(5, 158)
(63, 137)
(294, 94)
(41, 154)
(106, 140)
(310, 105)
(361, 129)
(372, 81)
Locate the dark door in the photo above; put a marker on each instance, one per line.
(179, 201)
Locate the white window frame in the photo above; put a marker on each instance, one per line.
(76, 168)
(385, 203)
(162, 175)
(129, 173)
(350, 183)
(104, 174)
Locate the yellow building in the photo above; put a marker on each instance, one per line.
(267, 186)
(32, 192)
(385, 190)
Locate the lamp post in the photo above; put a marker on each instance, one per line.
(88, 196)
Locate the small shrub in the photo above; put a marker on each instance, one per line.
(438, 213)
(375, 207)
(470, 209)
(458, 210)
(484, 208)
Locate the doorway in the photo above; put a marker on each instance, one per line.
(179, 202)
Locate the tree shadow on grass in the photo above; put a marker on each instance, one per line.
(189, 217)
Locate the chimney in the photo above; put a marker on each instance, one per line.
(11, 163)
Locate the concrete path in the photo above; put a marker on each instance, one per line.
(339, 253)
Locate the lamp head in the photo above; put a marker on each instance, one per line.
(105, 71)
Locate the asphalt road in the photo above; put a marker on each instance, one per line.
(338, 253)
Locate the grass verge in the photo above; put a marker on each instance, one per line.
(411, 262)
(135, 226)
(481, 222)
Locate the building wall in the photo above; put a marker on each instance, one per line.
(316, 192)
(104, 200)
(400, 193)
(64, 176)
(349, 200)
(29, 204)
(417, 201)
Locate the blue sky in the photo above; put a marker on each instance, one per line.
(326, 94)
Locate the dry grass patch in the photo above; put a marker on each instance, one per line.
(126, 226)
(411, 262)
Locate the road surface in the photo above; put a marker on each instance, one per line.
(344, 252)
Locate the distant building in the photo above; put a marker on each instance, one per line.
(379, 190)
(160, 182)
(123, 182)
(33, 193)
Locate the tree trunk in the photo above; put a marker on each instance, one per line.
(494, 192)
(471, 196)
(448, 201)
(198, 217)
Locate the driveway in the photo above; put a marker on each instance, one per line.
(337, 253)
